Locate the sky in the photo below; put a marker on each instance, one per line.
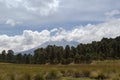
(25, 24)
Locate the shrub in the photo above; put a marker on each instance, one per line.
(68, 73)
(12, 77)
(38, 77)
(78, 74)
(94, 74)
(114, 76)
(85, 73)
(8, 76)
(26, 77)
(53, 75)
(98, 75)
(101, 76)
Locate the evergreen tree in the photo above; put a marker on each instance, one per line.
(10, 56)
(3, 56)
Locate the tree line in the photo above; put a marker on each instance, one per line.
(106, 49)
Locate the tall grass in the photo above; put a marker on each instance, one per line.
(109, 70)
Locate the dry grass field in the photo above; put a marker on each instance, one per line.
(98, 70)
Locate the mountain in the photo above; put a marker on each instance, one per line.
(57, 43)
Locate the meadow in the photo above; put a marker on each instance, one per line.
(97, 70)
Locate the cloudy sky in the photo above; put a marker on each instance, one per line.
(25, 24)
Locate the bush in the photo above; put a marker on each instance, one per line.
(114, 76)
(38, 77)
(53, 75)
(26, 77)
(101, 77)
(8, 77)
(94, 74)
(98, 75)
(12, 77)
(85, 73)
(77, 74)
(68, 73)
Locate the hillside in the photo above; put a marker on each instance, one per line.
(57, 43)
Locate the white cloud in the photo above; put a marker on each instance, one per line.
(26, 10)
(82, 34)
(60, 35)
(12, 3)
(12, 22)
(43, 7)
(27, 40)
(113, 13)
(43, 12)
(54, 30)
(89, 33)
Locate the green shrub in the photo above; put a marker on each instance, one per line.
(101, 76)
(77, 74)
(98, 75)
(7, 76)
(68, 73)
(116, 78)
(26, 77)
(38, 77)
(53, 75)
(85, 73)
(94, 74)
(12, 77)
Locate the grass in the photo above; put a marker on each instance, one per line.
(69, 78)
(98, 70)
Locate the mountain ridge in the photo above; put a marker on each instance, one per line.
(57, 43)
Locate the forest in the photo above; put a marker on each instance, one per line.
(106, 49)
